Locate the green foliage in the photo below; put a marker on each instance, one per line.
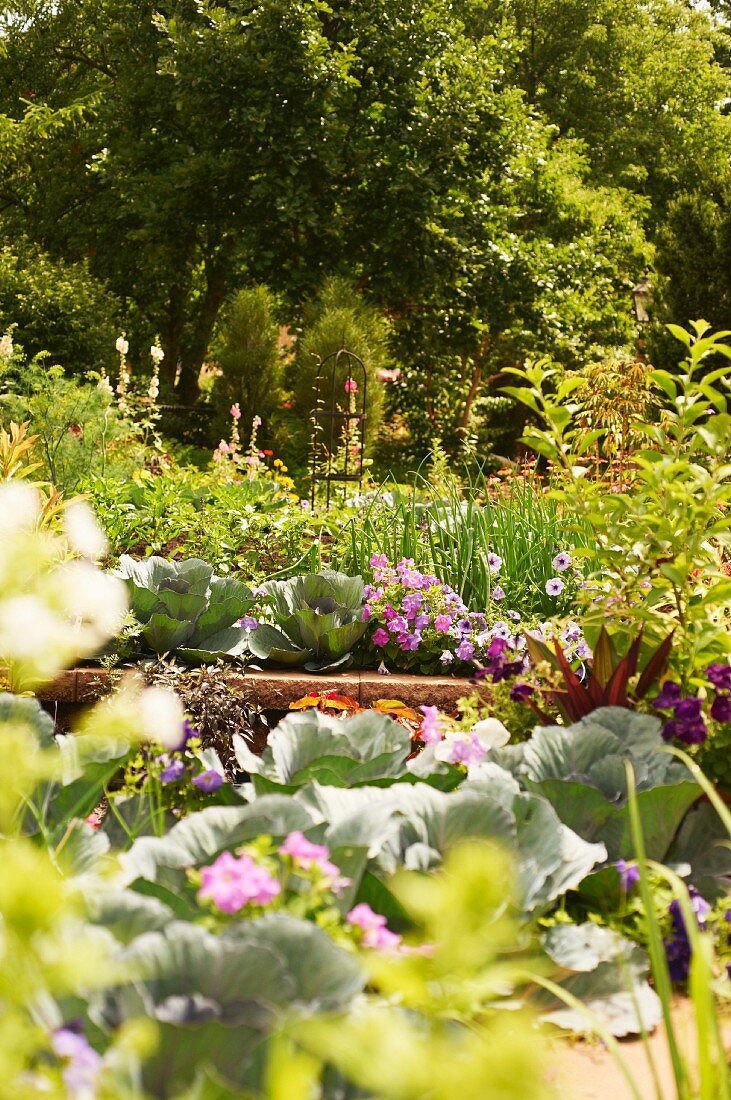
(453, 535)
(637, 84)
(185, 609)
(246, 350)
(58, 308)
(461, 913)
(317, 621)
(660, 540)
(711, 1062)
(369, 749)
(580, 769)
(79, 431)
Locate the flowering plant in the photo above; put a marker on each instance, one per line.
(232, 465)
(296, 875)
(177, 777)
(422, 624)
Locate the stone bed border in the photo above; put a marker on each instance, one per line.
(276, 690)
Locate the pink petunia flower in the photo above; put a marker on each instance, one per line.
(232, 883)
(373, 925)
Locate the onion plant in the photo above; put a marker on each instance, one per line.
(458, 535)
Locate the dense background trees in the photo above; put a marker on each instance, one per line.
(492, 175)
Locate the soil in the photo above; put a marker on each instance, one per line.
(587, 1071)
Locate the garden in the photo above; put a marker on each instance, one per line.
(365, 551)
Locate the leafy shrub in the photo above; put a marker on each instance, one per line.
(185, 609)
(58, 308)
(248, 355)
(340, 318)
(317, 621)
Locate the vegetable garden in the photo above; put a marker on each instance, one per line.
(388, 760)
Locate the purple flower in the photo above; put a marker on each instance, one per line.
(82, 1063)
(514, 615)
(583, 652)
(497, 647)
(442, 623)
(465, 750)
(498, 594)
(232, 883)
(380, 637)
(464, 626)
(677, 947)
(173, 773)
(366, 613)
(669, 696)
(555, 586)
(189, 732)
(720, 676)
(561, 561)
(502, 630)
(421, 621)
(520, 692)
(408, 643)
(693, 731)
(431, 725)
(721, 708)
(411, 603)
(398, 625)
(629, 875)
(208, 781)
(494, 562)
(465, 650)
(379, 561)
(249, 622)
(688, 710)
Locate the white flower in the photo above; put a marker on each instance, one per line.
(20, 507)
(104, 386)
(161, 717)
(153, 389)
(6, 345)
(122, 346)
(491, 733)
(95, 601)
(30, 632)
(83, 531)
(157, 354)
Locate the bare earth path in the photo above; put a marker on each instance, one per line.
(587, 1071)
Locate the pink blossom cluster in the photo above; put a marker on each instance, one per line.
(231, 883)
(373, 926)
(307, 855)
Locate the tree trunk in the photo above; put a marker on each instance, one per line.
(172, 335)
(475, 384)
(475, 387)
(218, 270)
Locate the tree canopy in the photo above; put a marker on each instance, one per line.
(494, 176)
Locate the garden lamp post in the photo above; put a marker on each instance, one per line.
(642, 298)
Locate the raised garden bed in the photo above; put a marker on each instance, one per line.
(277, 690)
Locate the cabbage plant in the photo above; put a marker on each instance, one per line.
(318, 619)
(581, 770)
(185, 609)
